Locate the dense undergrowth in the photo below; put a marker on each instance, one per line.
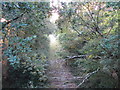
(100, 49)
(97, 58)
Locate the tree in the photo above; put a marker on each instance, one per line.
(97, 25)
(20, 31)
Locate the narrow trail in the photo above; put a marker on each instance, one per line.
(59, 74)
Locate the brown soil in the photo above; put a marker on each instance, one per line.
(59, 73)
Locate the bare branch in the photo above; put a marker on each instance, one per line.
(109, 32)
(79, 56)
(99, 8)
(82, 56)
(97, 30)
(94, 28)
(89, 12)
(87, 76)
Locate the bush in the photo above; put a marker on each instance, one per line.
(25, 70)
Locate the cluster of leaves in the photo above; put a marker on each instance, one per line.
(23, 71)
(17, 46)
(25, 39)
(71, 43)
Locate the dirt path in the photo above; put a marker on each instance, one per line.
(59, 74)
(60, 77)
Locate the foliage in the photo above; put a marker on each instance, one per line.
(100, 45)
(28, 75)
(25, 39)
(87, 28)
(99, 81)
(71, 43)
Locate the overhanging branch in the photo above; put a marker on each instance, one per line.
(3, 26)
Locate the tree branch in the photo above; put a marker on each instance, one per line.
(94, 28)
(89, 12)
(82, 56)
(97, 30)
(87, 76)
(79, 56)
(109, 31)
(3, 26)
(109, 52)
(99, 7)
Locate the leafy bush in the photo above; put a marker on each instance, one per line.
(107, 49)
(27, 75)
(100, 80)
(24, 71)
(26, 46)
